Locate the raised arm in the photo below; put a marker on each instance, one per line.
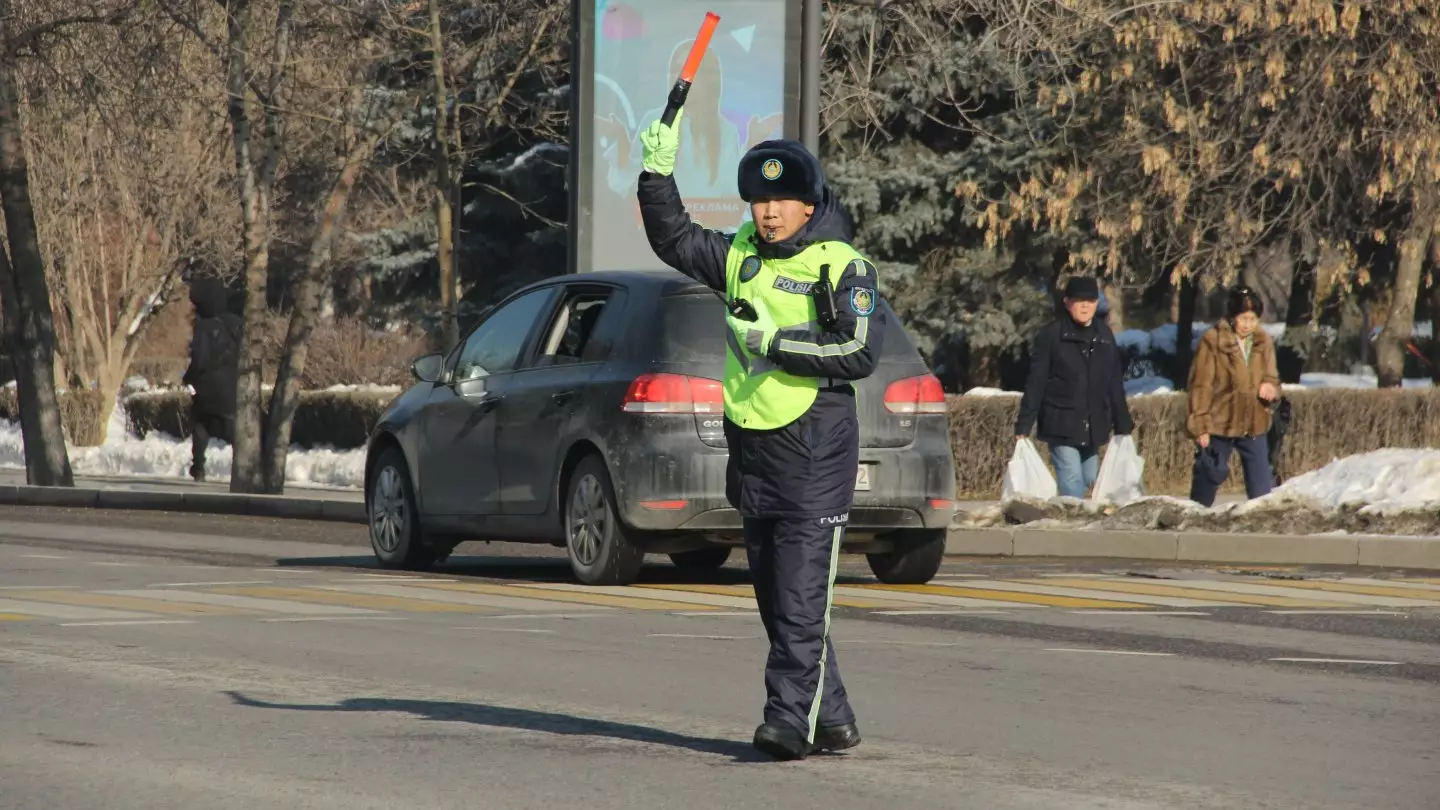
(676, 239)
(851, 349)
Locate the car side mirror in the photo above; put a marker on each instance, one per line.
(428, 368)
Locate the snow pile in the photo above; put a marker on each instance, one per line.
(1362, 379)
(1383, 482)
(991, 392)
(160, 456)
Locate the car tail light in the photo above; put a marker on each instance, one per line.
(673, 393)
(921, 394)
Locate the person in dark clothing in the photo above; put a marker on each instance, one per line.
(790, 418)
(213, 370)
(1076, 388)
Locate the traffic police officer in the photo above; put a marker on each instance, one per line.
(790, 417)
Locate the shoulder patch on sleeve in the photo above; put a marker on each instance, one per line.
(862, 300)
(862, 269)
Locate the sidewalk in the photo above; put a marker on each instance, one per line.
(348, 506)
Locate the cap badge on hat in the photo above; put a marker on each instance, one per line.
(771, 169)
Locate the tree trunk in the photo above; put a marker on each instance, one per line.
(256, 177)
(29, 327)
(1184, 331)
(1435, 310)
(308, 293)
(1400, 322)
(444, 178)
(1115, 298)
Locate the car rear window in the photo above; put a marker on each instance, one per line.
(692, 330)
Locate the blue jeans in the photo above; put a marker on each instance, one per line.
(1254, 458)
(1075, 469)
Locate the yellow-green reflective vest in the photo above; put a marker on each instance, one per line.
(758, 394)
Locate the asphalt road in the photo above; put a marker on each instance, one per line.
(176, 661)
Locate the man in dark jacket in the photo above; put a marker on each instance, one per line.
(1077, 389)
(213, 370)
(790, 419)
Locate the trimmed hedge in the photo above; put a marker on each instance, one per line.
(341, 420)
(1327, 424)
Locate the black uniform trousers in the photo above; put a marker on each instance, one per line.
(794, 487)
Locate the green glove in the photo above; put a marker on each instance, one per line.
(661, 143)
(756, 335)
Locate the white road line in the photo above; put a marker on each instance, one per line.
(713, 638)
(749, 614)
(44, 557)
(1110, 596)
(1339, 612)
(550, 616)
(929, 598)
(661, 594)
(244, 602)
(59, 611)
(38, 587)
(111, 564)
(126, 623)
(976, 612)
(203, 584)
(1075, 576)
(466, 598)
(1388, 583)
(1110, 652)
(338, 619)
(1143, 612)
(1336, 661)
(1299, 593)
(508, 629)
(898, 643)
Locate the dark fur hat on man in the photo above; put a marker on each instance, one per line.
(781, 170)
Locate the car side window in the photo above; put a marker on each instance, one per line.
(571, 333)
(495, 345)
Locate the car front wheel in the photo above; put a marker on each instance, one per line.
(395, 533)
(914, 560)
(600, 550)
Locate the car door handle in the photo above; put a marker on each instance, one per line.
(489, 404)
(562, 397)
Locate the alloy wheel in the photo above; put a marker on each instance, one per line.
(388, 514)
(589, 520)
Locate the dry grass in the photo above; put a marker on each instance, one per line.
(338, 420)
(1326, 425)
(79, 415)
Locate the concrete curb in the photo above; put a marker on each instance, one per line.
(213, 503)
(1270, 549)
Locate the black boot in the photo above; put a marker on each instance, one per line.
(836, 738)
(781, 741)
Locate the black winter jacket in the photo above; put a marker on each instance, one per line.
(1076, 386)
(807, 468)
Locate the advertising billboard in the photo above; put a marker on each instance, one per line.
(628, 54)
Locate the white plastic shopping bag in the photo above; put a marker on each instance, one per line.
(1122, 473)
(1027, 476)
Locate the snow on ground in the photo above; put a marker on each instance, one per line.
(1362, 379)
(1384, 482)
(161, 456)
(991, 392)
(1146, 386)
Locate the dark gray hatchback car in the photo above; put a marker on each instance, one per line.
(585, 411)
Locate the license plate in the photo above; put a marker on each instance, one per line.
(862, 478)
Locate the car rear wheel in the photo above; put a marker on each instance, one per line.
(600, 550)
(914, 560)
(701, 559)
(395, 533)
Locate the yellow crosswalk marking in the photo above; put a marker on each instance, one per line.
(347, 599)
(748, 592)
(130, 603)
(577, 596)
(1363, 590)
(1007, 596)
(1190, 593)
